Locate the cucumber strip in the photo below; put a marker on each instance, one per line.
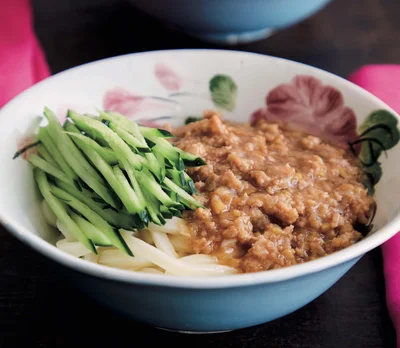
(69, 150)
(173, 195)
(125, 191)
(125, 123)
(191, 187)
(47, 141)
(161, 218)
(86, 177)
(119, 220)
(189, 183)
(155, 166)
(59, 210)
(70, 127)
(149, 132)
(128, 200)
(124, 154)
(91, 231)
(161, 163)
(46, 155)
(76, 160)
(167, 150)
(177, 177)
(189, 159)
(185, 198)
(48, 167)
(106, 153)
(153, 207)
(111, 233)
(146, 180)
(176, 212)
(136, 187)
(150, 143)
(129, 138)
(165, 212)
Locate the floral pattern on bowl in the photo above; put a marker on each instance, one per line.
(222, 93)
(308, 104)
(305, 103)
(320, 110)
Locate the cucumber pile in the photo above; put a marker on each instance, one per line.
(102, 173)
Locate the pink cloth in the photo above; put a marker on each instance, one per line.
(22, 62)
(383, 81)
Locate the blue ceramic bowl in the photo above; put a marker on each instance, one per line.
(230, 21)
(180, 81)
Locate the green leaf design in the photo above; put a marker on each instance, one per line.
(191, 119)
(372, 176)
(378, 133)
(223, 92)
(380, 125)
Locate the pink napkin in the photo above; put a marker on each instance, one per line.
(22, 62)
(382, 81)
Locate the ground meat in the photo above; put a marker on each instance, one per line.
(275, 196)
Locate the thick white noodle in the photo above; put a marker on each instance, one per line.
(172, 226)
(180, 243)
(118, 259)
(200, 259)
(91, 257)
(146, 236)
(158, 251)
(48, 214)
(162, 242)
(74, 248)
(67, 234)
(170, 264)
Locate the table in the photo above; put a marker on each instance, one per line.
(36, 306)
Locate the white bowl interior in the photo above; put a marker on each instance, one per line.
(83, 88)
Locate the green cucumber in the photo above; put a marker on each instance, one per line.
(149, 132)
(116, 219)
(49, 168)
(76, 160)
(146, 180)
(126, 193)
(129, 138)
(126, 124)
(106, 153)
(58, 209)
(124, 154)
(49, 144)
(111, 233)
(190, 160)
(45, 154)
(128, 197)
(91, 231)
(155, 166)
(69, 150)
(185, 198)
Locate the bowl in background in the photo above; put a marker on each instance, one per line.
(230, 21)
(170, 85)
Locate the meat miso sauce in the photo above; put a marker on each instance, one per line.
(273, 196)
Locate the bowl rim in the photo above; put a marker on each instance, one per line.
(204, 282)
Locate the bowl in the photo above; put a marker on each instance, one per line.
(170, 85)
(230, 21)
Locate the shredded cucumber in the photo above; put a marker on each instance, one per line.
(99, 174)
(111, 233)
(59, 210)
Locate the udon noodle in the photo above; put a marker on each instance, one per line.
(157, 249)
